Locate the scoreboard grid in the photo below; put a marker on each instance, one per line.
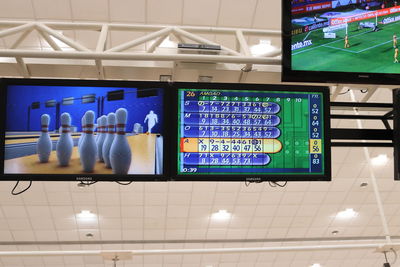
(225, 132)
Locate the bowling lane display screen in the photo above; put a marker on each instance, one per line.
(55, 142)
(278, 133)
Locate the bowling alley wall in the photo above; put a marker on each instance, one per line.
(26, 104)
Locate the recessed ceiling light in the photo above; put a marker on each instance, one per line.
(316, 265)
(379, 160)
(86, 214)
(335, 232)
(346, 214)
(221, 215)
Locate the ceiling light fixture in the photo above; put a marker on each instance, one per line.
(86, 214)
(346, 214)
(379, 160)
(263, 48)
(316, 265)
(221, 215)
(335, 232)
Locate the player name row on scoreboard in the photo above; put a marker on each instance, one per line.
(226, 159)
(230, 119)
(231, 107)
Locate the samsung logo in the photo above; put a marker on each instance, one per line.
(83, 178)
(254, 179)
(363, 76)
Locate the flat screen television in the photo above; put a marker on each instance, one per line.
(138, 157)
(341, 41)
(251, 132)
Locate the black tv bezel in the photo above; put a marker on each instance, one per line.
(4, 82)
(290, 75)
(252, 178)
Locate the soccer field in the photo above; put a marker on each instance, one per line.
(370, 52)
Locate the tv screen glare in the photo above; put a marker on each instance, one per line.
(139, 139)
(253, 132)
(348, 41)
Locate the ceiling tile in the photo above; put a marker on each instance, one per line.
(92, 10)
(128, 11)
(272, 20)
(203, 13)
(16, 9)
(236, 13)
(52, 9)
(156, 11)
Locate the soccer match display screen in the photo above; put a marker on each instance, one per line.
(246, 132)
(88, 132)
(345, 36)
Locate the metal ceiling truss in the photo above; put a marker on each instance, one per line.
(51, 33)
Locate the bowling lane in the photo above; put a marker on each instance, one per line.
(143, 160)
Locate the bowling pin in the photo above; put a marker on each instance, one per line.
(44, 144)
(120, 152)
(97, 128)
(109, 138)
(102, 137)
(88, 146)
(65, 142)
(83, 133)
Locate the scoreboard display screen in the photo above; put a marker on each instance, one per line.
(274, 133)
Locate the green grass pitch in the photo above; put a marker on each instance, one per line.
(369, 52)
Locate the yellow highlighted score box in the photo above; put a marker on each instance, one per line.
(315, 146)
(230, 145)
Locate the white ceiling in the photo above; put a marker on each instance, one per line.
(177, 215)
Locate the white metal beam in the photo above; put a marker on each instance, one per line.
(22, 67)
(49, 40)
(21, 38)
(244, 47)
(196, 251)
(62, 38)
(138, 56)
(102, 41)
(140, 40)
(16, 29)
(156, 43)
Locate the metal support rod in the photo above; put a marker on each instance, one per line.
(23, 68)
(141, 27)
(20, 28)
(62, 37)
(156, 43)
(196, 251)
(49, 40)
(21, 38)
(138, 56)
(102, 41)
(355, 117)
(100, 69)
(140, 40)
(244, 47)
(374, 183)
